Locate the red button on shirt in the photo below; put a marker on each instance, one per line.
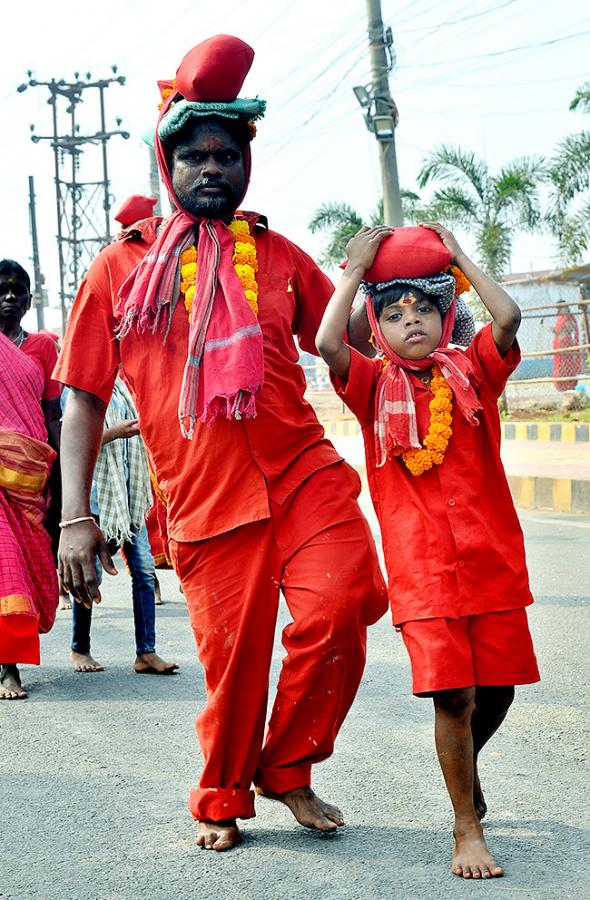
(422, 544)
(213, 482)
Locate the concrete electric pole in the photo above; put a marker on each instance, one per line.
(381, 111)
(37, 292)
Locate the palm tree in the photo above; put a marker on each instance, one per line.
(569, 176)
(341, 221)
(491, 206)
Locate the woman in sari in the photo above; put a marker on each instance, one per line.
(566, 334)
(28, 582)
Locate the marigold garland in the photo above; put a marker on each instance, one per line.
(436, 441)
(244, 261)
(462, 283)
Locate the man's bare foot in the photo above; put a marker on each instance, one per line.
(152, 664)
(83, 662)
(64, 602)
(308, 809)
(471, 857)
(219, 836)
(479, 801)
(10, 684)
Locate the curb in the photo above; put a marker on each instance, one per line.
(550, 432)
(560, 495)
(565, 495)
(567, 432)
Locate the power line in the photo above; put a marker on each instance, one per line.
(494, 54)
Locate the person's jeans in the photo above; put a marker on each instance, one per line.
(141, 565)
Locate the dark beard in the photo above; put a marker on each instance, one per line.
(220, 207)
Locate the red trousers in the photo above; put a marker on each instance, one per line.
(318, 550)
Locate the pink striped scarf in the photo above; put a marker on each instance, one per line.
(224, 369)
(396, 426)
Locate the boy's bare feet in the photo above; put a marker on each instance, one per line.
(218, 836)
(83, 662)
(479, 801)
(308, 809)
(152, 664)
(10, 684)
(471, 857)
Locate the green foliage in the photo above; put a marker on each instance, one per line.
(340, 221)
(581, 99)
(492, 207)
(568, 176)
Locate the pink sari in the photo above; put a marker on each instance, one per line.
(28, 581)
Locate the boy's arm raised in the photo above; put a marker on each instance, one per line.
(502, 308)
(361, 250)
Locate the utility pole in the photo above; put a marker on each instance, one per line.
(381, 112)
(83, 205)
(38, 280)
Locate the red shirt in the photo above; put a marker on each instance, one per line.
(452, 541)
(42, 349)
(226, 474)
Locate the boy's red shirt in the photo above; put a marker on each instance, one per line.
(226, 474)
(452, 541)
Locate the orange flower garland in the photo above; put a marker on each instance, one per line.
(436, 441)
(462, 283)
(244, 261)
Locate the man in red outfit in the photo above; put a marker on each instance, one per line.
(259, 501)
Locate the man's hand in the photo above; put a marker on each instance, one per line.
(362, 248)
(79, 545)
(448, 239)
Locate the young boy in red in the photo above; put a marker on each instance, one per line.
(453, 546)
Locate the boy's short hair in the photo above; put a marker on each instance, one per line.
(389, 295)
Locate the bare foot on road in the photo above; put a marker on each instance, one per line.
(479, 801)
(471, 857)
(152, 664)
(83, 662)
(219, 836)
(10, 684)
(64, 602)
(308, 809)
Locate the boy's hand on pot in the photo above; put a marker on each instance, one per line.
(447, 237)
(362, 248)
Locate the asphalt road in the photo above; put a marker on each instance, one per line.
(95, 770)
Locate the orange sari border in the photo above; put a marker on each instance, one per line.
(16, 604)
(25, 465)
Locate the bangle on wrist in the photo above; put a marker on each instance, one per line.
(67, 522)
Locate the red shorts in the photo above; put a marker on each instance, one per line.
(491, 649)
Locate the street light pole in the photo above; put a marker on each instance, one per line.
(384, 110)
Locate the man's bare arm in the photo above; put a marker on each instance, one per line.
(81, 439)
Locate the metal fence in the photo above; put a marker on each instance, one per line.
(555, 344)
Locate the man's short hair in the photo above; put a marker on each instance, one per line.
(239, 129)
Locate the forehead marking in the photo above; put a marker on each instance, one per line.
(213, 144)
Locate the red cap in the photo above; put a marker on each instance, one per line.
(411, 252)
(135, 208)
(214, 70)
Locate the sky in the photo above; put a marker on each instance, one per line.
(493, 77)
